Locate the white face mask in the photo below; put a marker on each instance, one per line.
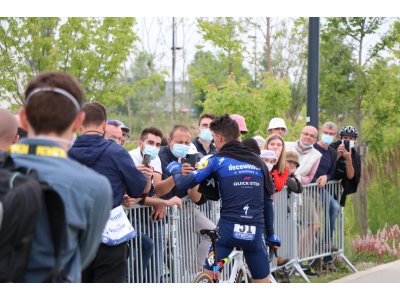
(269, 166)
(352, 144)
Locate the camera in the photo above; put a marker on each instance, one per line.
(346, 144)
(146, 160)
(191, 159)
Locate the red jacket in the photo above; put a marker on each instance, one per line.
(279, 179)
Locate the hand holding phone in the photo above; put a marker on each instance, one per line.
(346, 144)
(146, 160)
(190, 159)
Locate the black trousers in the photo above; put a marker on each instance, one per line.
(109, 265)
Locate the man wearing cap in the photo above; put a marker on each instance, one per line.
(86, 195)
(278, 126)
(241, 121)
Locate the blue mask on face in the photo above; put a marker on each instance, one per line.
(206, 135)
(305, 146)
(151, 150)
(180, 150)
(326, 139)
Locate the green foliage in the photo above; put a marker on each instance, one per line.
(91, 49)
(257, 105)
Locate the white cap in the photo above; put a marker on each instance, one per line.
(268, 154)
(260, 141)
(277, 123)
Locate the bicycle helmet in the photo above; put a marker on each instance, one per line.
(349, 131)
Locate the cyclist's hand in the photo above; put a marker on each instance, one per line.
(274, 240)
(174, 167)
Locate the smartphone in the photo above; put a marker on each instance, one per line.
(191, 159)
(346, 144)
(146, 160)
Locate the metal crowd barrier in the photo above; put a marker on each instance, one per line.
(301, 221)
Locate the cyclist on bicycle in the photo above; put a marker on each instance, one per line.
(244, 185)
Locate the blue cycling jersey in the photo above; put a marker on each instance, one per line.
(240, 186)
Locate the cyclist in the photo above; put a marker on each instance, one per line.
(242, 181)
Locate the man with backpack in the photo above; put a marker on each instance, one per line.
(52, 115)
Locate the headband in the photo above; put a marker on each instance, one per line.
(54, 90)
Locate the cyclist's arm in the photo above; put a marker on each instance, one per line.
(183, 182)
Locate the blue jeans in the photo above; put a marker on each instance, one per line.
(146, 248)
(334, 208)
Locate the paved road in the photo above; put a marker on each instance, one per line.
(386, 273)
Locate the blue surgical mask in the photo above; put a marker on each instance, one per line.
(180, 150)
(206, 135)
(305, 146)
(151, 150)
(326, 139)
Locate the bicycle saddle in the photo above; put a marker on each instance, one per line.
(213, 233)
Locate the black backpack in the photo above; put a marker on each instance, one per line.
(21, 200)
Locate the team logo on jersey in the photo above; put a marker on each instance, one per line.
(203, 164)
(246, 208)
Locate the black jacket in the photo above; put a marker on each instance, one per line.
(349, 185)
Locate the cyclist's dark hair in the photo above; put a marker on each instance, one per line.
(49, 111)
(207, 115)
(252, 145)
(151, 130)
(226, 127)
(179, 127)
(95, 114)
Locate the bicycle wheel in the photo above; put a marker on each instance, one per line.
(240, 277)
(203, 278)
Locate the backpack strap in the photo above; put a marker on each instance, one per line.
(58, 224)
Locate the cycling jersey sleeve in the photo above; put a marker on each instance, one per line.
(188, 181)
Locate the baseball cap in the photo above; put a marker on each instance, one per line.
(240, 121)
(268, 154)
(119, 124)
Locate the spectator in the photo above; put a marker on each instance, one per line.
(113, 132)
(241, 121)
(308, 156)
(203, 142)
(348, 164)
(324, 173)
(52, 115)
(293, 182)
(309, 159)
(179, 145)
(149, 143)
(279, 172)
(277, 126)
(260, 141)
(251, 143)
(125, 132)
(112, 160)
(8, 130)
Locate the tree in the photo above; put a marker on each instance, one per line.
(257, 105)
(355, 31)
(91, 49)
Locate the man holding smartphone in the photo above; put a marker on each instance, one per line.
(348, 164)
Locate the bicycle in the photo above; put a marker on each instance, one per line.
(239, 272)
